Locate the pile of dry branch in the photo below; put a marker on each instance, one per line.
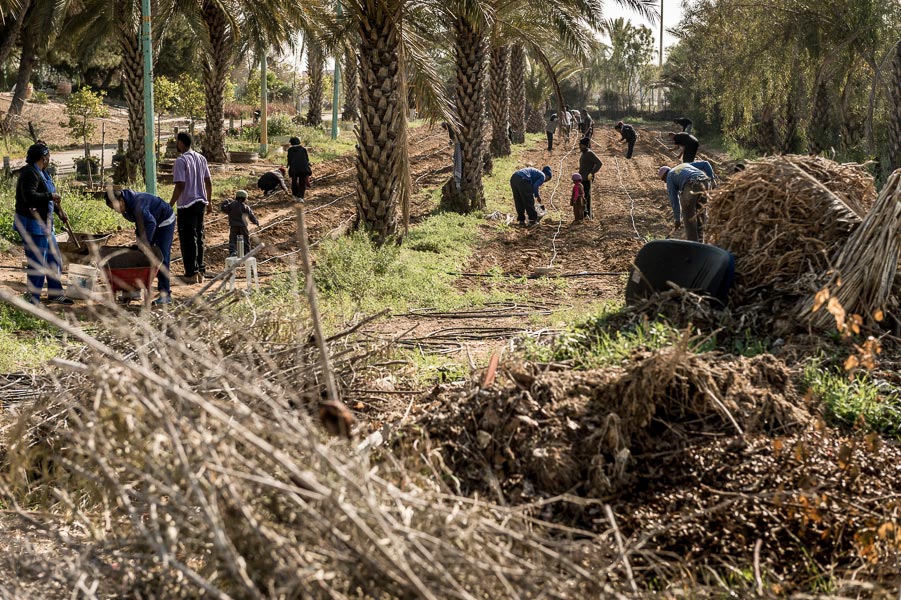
(786, 218)
(177, 457)
(548, 432)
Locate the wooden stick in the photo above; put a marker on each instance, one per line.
(619, 546)
(306, 266)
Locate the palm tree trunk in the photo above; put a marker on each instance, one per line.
(215, 73)
(382, 134)
(315, 65)
(895, 113)
(500, 100)
(535, 122)
(351, 110)
(133, 89)
(471, 50)
(26, 68)
(11, 29)
(518, 93)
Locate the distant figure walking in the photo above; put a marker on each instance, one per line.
(549, 129)
(685, 122)
(587, 129)
(525, 184)
(298, 168)
(628, 135)
(688, 144)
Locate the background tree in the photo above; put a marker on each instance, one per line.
(82, 108)
(191, 101)
(165, 99)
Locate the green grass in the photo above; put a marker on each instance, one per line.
(25, 342)
(354, 277)
(731, 147)
(590, 344)
(87, 214)
(858, 402)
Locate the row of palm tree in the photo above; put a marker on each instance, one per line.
(390, 47)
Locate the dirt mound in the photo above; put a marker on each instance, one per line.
(785, 217)
(550, 432)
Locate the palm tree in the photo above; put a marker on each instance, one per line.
(12, 15)
(389, 52)
(218, 39)
(315, 72)
(518, 93)
(40, 22)
(500, 100)
(471, 47)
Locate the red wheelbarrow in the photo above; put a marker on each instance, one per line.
(130, 270)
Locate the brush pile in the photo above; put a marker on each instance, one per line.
(547, 432)
(178, 458)
(785, 218)
(862, 279)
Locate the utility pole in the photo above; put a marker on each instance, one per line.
(264, 113)
(149, 153)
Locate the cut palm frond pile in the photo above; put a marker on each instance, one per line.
(862, 278)
(784, 218)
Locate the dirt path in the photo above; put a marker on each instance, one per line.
(631, 208)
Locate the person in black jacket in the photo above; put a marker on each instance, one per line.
(589, 165)
(628, 135)
(685, 122)
(689, 145)
(271, 181)
(298, 168)
(36, 204)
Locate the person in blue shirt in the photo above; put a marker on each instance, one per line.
(154, 223)
(525, 184)
(687, 186)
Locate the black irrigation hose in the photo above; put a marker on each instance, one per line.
(491, 310)
(534, 276)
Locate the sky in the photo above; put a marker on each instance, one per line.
(672, 12)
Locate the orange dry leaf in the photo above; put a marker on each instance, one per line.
(820, 299)
(878, 315)
(852, 363)
(836, 309)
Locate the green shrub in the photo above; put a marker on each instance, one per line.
(862, 401)
(40, 98)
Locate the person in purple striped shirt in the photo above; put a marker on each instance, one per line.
(192, 194)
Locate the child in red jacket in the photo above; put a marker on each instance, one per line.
(578, 198)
